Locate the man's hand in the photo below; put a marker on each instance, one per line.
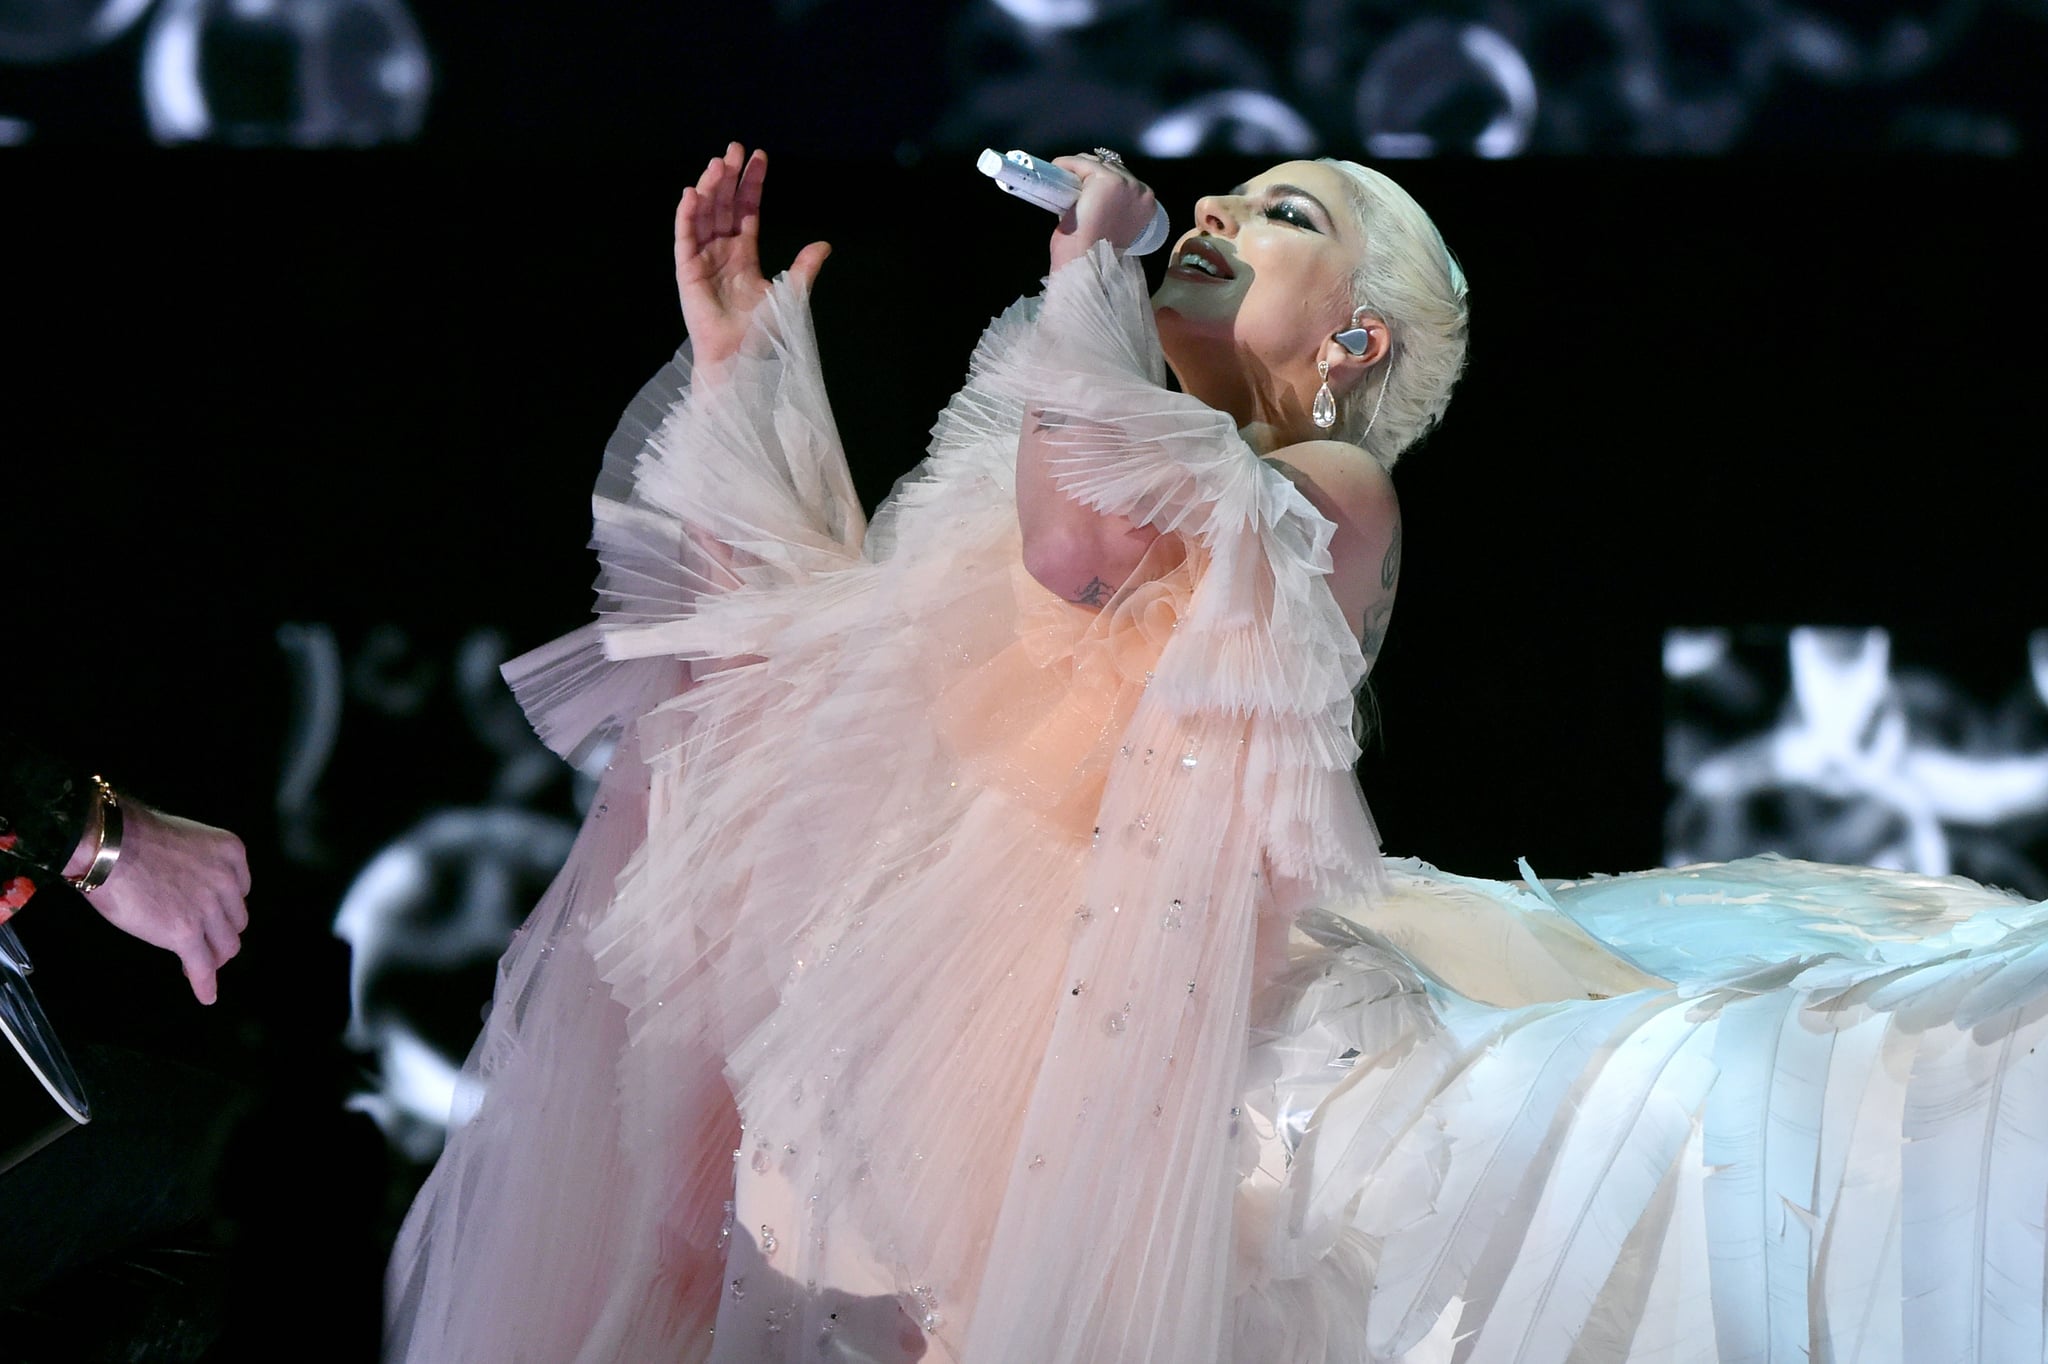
(179, 885)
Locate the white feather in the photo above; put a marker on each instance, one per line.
(1677, 1324)
(1852, 1066)
(1636, 1119)
(1347, 1141)
(1749, 1309)
(2014, 1302)
(2020, 979)
(1856, 1291)
(1440, 1346)
(1927, 998)
(1972, 1153)
(1502, 1112)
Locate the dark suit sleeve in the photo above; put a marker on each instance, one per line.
(44, 805)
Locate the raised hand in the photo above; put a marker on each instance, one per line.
(718, 253)
(1115, 206)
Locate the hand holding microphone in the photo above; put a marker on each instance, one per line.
(1099, 213)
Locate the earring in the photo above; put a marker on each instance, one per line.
(1324, 411)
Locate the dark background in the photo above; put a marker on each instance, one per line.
(370, 389)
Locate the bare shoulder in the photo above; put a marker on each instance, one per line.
(1349, 487)
(1344, 482)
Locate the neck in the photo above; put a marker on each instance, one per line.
(1273, 418)
(1269, 414)
(1265, 437)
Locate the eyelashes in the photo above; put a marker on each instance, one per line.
(1288, 211)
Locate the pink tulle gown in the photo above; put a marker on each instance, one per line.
(947, 971)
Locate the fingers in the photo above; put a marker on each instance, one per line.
(747, 200)
(211, 945)
(710, 186)
(686, 226)
(238, 864)
(729, 188)
(1085, 164)
(707, 199)
(223, 942)
(234, 906)
(199, 973)
(809, 261)
(725, 174)
(724, 197)
(705, 206)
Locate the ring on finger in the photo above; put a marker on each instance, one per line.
(1108, 157)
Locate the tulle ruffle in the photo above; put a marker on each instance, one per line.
(922, 979)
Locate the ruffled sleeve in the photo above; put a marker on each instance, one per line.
(1264, 637)
(734, 484)
(1116, 1232)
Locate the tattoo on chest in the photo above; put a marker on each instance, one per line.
(1094, 594)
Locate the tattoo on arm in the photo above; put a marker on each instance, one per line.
(1095, 593)
(1382, 611)
(1375, 633)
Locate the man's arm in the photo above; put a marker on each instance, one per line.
(177, 884)
(45, 805)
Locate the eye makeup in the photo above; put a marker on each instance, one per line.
(1291, 211)
(1286, 203)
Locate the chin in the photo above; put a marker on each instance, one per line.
(1172, 322)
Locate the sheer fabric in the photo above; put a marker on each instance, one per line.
(905, 991)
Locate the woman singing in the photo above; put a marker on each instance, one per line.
(979, 949)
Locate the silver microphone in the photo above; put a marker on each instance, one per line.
(1054, 189)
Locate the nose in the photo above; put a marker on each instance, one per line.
(1218, 214)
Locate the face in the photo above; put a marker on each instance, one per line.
(1254, 293)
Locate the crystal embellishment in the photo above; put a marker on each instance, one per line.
(1324, 411)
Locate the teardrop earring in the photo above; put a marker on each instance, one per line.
(1324, 410)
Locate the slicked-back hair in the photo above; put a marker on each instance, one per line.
(1415, 286)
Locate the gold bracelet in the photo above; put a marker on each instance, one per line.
(108, 850)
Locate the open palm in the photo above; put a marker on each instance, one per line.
(718, 253)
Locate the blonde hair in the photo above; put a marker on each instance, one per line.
(1412, 282)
